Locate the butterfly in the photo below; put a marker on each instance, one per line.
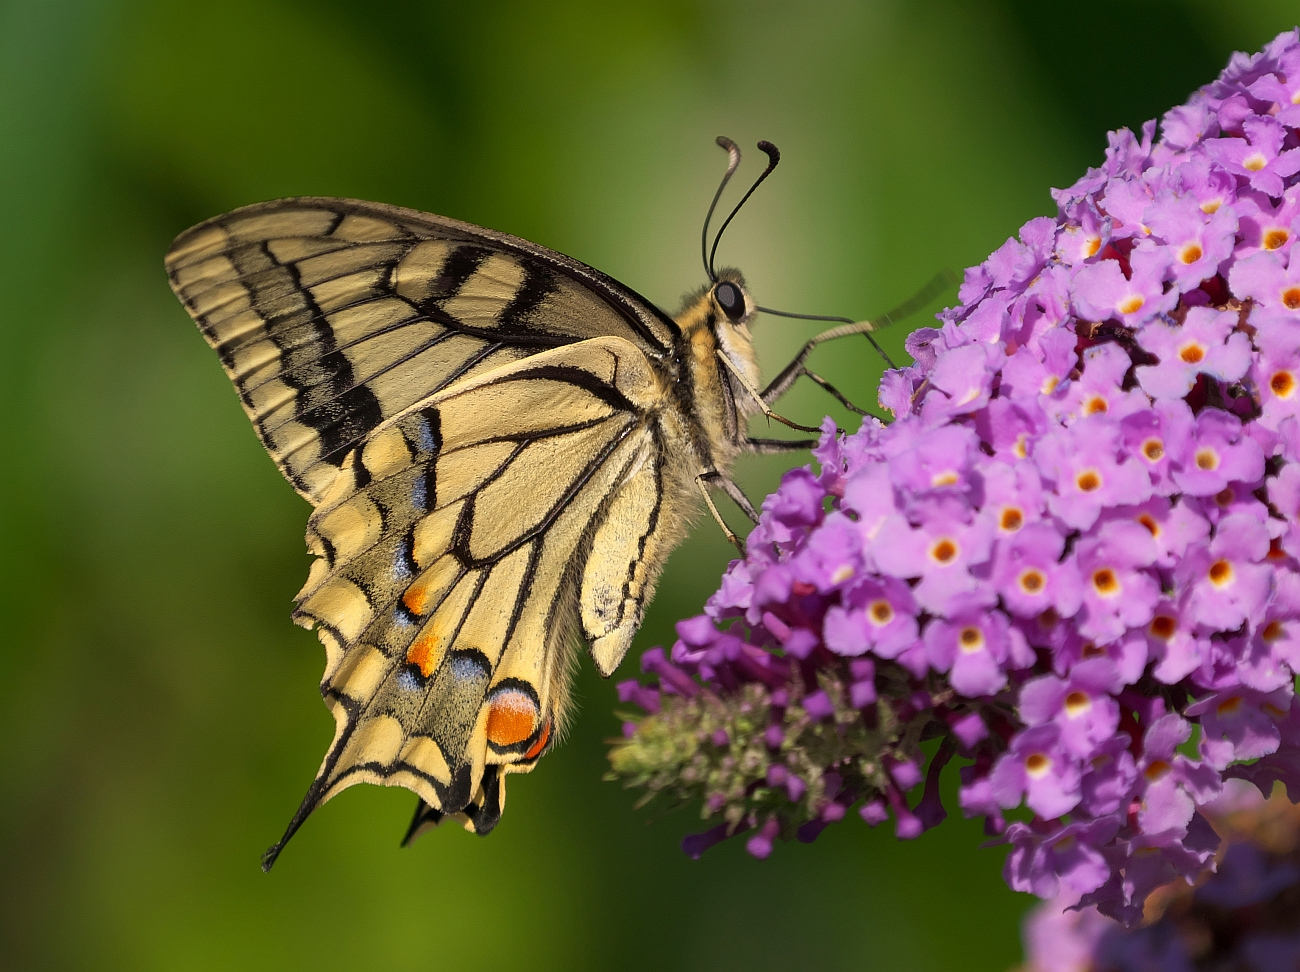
(501, 445)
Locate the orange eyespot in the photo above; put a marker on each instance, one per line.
(512, 717)
(1087, 481)
(1105, 582)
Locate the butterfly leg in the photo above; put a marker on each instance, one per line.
(758, 397)
(771, 447)
(736, 493)
(796, 368)
(703, 481)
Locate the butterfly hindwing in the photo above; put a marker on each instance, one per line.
(331, 316)
(452, 548)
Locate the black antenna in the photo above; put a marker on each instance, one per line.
(733, 152)
(773, 157)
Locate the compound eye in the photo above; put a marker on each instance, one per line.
(730, 299)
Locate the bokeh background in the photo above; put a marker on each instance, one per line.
(159, 718)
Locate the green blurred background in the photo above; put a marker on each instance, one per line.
(159, 713)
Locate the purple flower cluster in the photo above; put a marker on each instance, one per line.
(1071, 558)
(1245, 917)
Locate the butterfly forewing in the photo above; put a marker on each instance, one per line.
(331, 316)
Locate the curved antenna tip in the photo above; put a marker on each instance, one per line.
(773, 157)
(733, 161)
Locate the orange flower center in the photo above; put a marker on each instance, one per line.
(1037, 765)
(971, 639)
(1032, 581)
(1282, 384)
(1088, 480)
(1291, 298)
(1207, 459)
(1105, 582)
(1153, 449)
(1192, 353)
(1190, 253)
(1157, 769)
(1275, 239)
(1077, 703)
(881, 612)
(944, 551)
(1131, 304)
(1012, 519)
(1163, 626)
(1220, 573)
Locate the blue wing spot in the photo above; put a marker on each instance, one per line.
(402, 616)
(468, 666)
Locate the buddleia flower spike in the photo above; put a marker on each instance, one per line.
(1072, 561)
